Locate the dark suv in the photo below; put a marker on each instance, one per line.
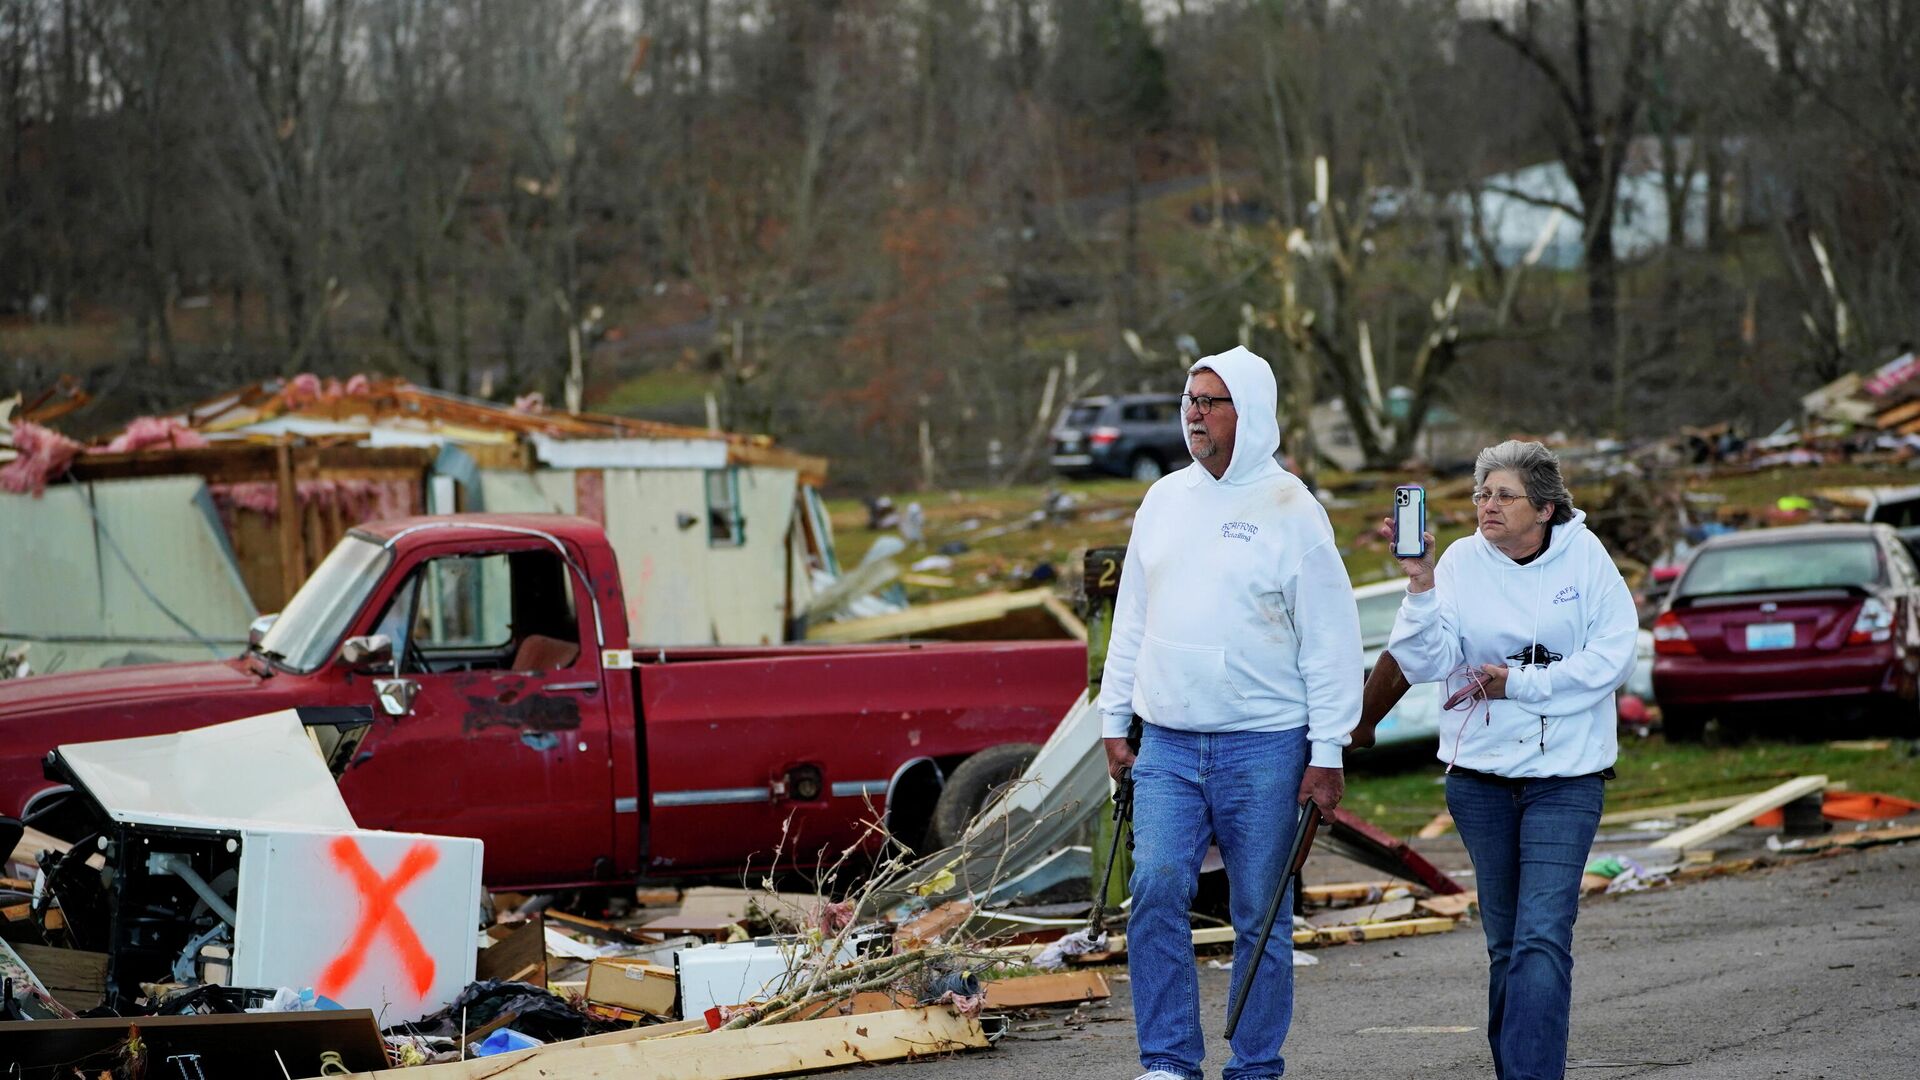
(1135, 435)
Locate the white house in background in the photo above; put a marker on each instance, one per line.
(1516, 207)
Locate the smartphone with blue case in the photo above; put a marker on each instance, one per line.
(1409, 521)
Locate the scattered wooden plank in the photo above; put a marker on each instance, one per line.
(1686, 809)
(861, 1004)
(1383, 911)
(1441, 825)
(949, 616)
(716, 929)
(521, 954)
(1864, 838)
(1349, 890)
(1340, 935)
(1742, 812)
(592, 928)
(1059, 988)
(1451, 906)
(1862, 745)
(32, 843)
(775, 1050)
(74, 978)
(930, 926)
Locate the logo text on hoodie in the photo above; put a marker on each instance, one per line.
(1567, 595)
(1239, 530)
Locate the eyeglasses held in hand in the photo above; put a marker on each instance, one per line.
(1205, 402)
(1497, 498)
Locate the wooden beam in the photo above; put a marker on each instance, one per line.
(1362, 891)
(1683, 809)
(772, 1050)
(1863, 838)
(232, 463)
(1742, 812)
(1058, 988)
(292, 570)
(927, 618)
(1341, 935)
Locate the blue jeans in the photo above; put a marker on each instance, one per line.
(1241, 790)
(1529, 843)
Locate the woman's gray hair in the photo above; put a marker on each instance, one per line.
(1538, 470)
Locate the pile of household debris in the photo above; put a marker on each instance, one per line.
(233, 920)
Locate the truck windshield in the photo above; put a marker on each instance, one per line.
(304, 635)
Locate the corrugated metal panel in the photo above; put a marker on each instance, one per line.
(120, 571)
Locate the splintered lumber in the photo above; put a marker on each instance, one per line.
(1361, 891)
(1060, 988)
(772, 1050)
(1382, 911)
(518, 954)
(1451, 906)
(1330, 935)
(1380, 931)
(947, 617)
(1682, 809)
(1742, 812)
(932, 925)
(1863, 838)
(32, 843)
(74, 978)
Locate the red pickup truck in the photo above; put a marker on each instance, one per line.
(506, 703)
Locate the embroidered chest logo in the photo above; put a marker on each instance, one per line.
(1567, 595)
(1239, 530)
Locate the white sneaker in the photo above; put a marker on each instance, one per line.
(1159, 1074)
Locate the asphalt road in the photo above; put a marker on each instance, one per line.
(1806, 969)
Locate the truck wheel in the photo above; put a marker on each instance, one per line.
(1147, 468)
(1683, 725)
(972, 785)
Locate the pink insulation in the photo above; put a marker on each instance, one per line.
(44, 454)
(152, 431)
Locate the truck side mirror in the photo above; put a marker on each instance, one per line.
(257, 629)
(369, 651)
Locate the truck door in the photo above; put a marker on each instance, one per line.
(494, 724)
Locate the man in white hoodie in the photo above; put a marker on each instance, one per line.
(1236, 641)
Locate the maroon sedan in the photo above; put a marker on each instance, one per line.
(1823, 616)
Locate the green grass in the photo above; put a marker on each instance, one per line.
(658, 390)
(1652, 773)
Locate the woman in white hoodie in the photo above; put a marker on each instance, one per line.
(1531, 627)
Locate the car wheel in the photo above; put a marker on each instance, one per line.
(1147, 468)
(972, 785)
(1683, 725)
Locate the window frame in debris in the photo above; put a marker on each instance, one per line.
(726, 524)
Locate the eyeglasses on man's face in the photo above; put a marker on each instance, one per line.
(1203, 402)
(1501, 499)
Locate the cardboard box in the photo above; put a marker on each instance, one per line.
(632, 984)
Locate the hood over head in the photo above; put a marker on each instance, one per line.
(1256, 396)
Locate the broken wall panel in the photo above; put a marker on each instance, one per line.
(688, 580)
(126, 571)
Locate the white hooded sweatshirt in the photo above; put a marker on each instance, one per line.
(1562, 624)
(1235, 612)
